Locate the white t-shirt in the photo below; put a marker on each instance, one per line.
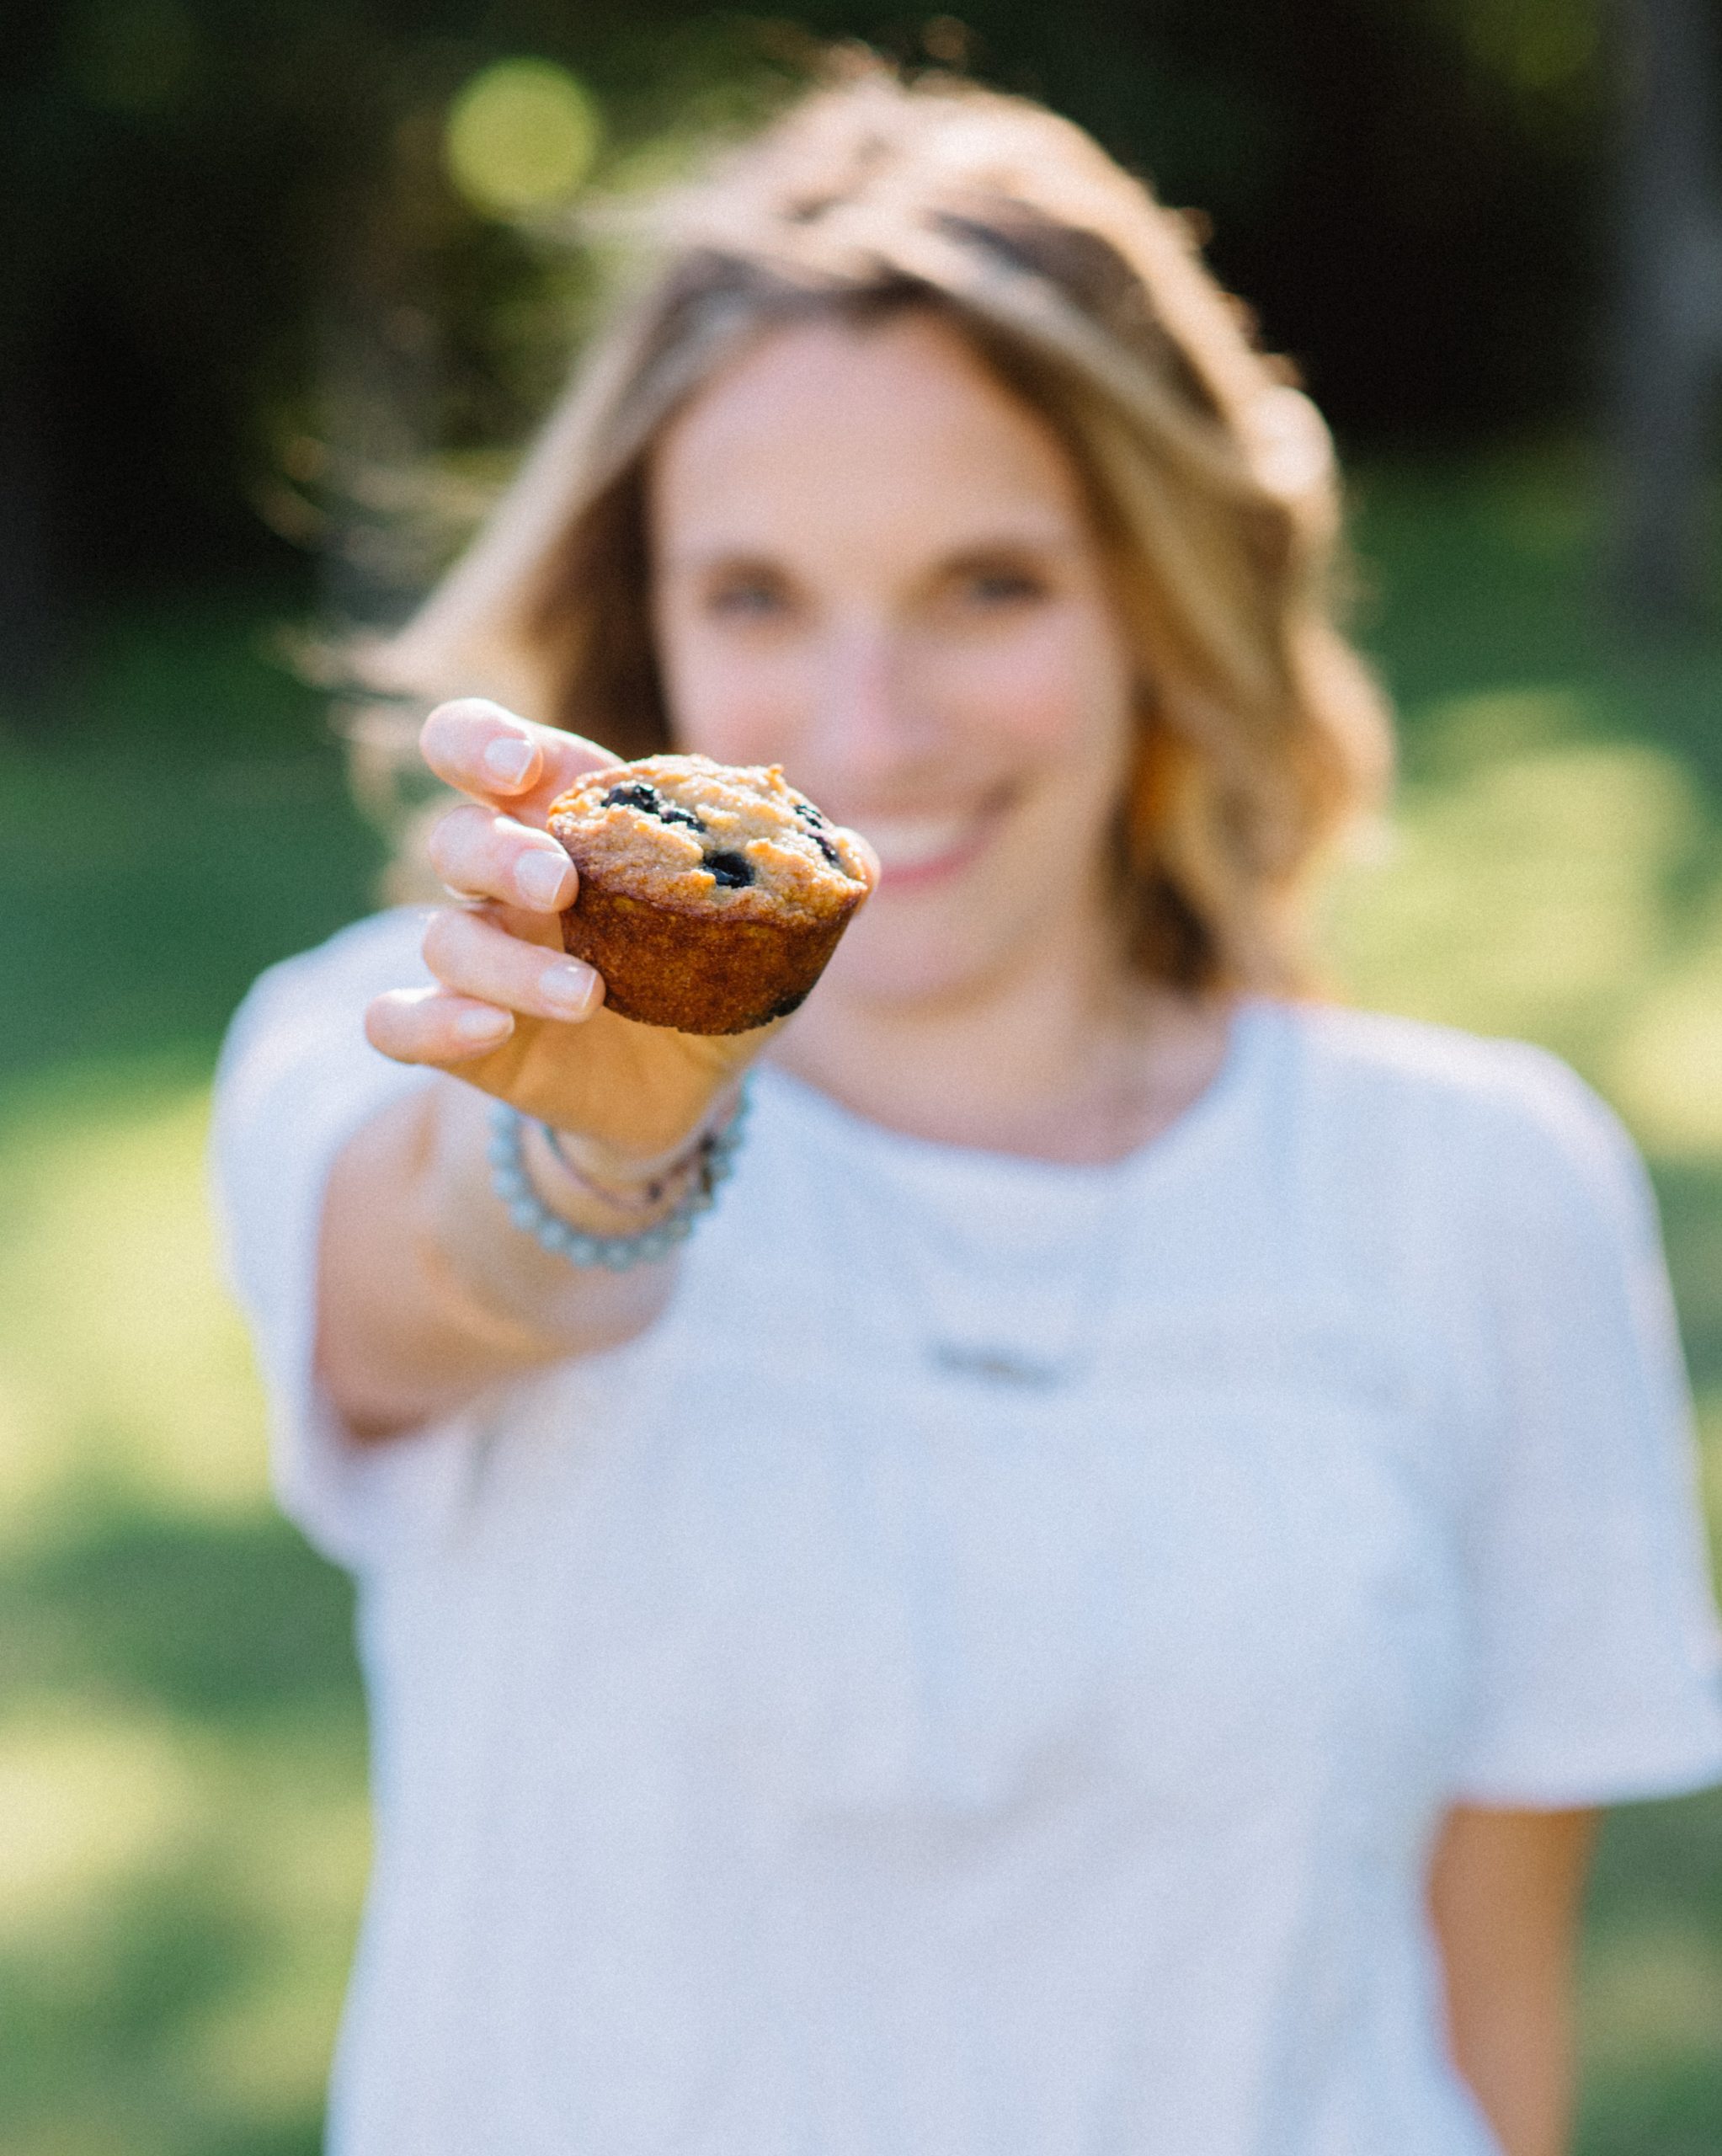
(982, 1674)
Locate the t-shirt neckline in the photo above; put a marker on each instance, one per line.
(1189, 1133)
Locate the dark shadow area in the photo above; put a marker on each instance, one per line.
(1415, 207)
(194, 829)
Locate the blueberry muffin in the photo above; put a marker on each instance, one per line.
(710, 894)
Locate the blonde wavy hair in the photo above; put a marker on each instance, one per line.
(1211, 477)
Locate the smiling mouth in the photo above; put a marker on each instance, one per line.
(917, 850)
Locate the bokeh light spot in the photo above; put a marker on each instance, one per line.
(521, 136)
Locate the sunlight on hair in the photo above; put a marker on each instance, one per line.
(1290, 450)
(521, 136)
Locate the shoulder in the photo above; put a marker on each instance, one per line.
(382, 948)
(300, 1024)
(1503, 1115)
(353, 964)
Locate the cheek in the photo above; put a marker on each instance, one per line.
(1060, 686)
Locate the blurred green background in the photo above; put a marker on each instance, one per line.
(287, 289)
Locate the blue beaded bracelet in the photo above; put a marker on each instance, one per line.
(713, 1161)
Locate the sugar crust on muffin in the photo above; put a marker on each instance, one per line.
(686, 830)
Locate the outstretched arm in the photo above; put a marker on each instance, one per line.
(427, 1292)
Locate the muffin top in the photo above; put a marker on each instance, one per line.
(689, 834)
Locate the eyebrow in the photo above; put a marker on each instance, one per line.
(752, 554)
(709, 565)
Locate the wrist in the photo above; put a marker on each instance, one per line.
(591, 1188)
(682, 1195)
(577, 1172)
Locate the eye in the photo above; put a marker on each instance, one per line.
(991, 585)
(747, 594)
(1000, 587)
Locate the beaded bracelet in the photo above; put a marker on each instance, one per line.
(713, 1158)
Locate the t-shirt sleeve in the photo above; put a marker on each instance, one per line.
(296, 1078)
(1597, 1645)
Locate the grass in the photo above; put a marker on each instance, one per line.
(181, 1741)
(181, 1745)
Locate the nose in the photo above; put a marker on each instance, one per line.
(868, 721)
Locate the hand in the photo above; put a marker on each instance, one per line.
(511, 1014)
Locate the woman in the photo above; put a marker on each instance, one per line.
(1090, 1608)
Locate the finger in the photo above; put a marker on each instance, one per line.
(473, 956)
(426, 1025)
(482, 853)
(483, 751)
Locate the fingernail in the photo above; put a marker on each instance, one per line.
(569, 985)
(510, 759)
(539, 877)
(476, 1026)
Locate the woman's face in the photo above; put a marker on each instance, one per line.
(875, 566)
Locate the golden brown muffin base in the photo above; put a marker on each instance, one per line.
(699, 972)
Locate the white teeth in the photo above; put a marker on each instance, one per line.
(912, 841)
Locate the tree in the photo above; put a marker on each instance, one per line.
(1666, 343)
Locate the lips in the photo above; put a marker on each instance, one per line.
(916, 851)
(905, 843)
